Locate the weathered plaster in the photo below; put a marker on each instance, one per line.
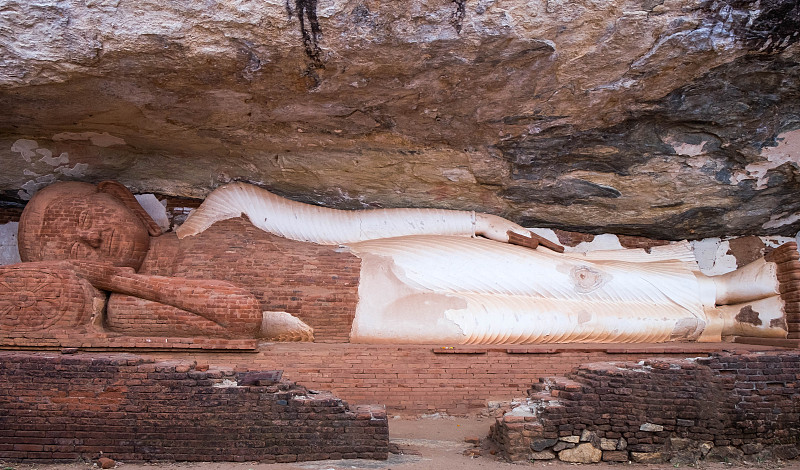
(787, 151)
(9, 254)
(43, 167)
(712, 256)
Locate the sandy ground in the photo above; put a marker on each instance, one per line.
(425, 443)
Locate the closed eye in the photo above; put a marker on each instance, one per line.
(75, 251)
(108, 241)
(85, 220)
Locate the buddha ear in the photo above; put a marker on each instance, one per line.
(123, 194)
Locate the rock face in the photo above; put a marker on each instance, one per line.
(664, 118)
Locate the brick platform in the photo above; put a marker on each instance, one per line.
(57, 407)
(91, 338)
(413, 380)
(410, 380)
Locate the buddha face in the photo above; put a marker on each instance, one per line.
(91, 226)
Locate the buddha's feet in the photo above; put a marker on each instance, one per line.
(282, 326)
(787, 260)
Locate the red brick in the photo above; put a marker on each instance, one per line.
(175, 417)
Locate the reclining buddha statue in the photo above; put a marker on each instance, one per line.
(424, 276)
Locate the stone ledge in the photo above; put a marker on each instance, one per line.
(776, 342)
(127, 343)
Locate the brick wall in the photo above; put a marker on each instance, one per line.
(413, 380)
(723, 407)
(59, 407)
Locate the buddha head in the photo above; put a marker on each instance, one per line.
(81, 221)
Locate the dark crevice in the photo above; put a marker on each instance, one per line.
(10, 198)
(766, 26)
(776, 27)
(306, 12)
(457, 20)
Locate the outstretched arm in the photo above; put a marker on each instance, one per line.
(308, 223)
(231, 307)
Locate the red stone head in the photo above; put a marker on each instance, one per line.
(81, 221)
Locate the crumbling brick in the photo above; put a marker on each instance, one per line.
(65, 407)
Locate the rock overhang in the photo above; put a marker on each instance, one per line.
(670, 120)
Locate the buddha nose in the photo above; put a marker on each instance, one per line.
(90, 237)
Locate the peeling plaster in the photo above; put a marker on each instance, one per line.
(78, 170)
(780, 220)
(605, 241)
(28, 149)
(689, 149)
(30, 187)
(775, 242)
(549, 234)
(9, 254)
(226, 383)
(712, 256)
(701, 162)
(787, 151)
(25, 148)
(48, 159)
(685, 148)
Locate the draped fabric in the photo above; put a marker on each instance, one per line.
(515, 295)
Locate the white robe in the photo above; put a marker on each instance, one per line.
(435, 289)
